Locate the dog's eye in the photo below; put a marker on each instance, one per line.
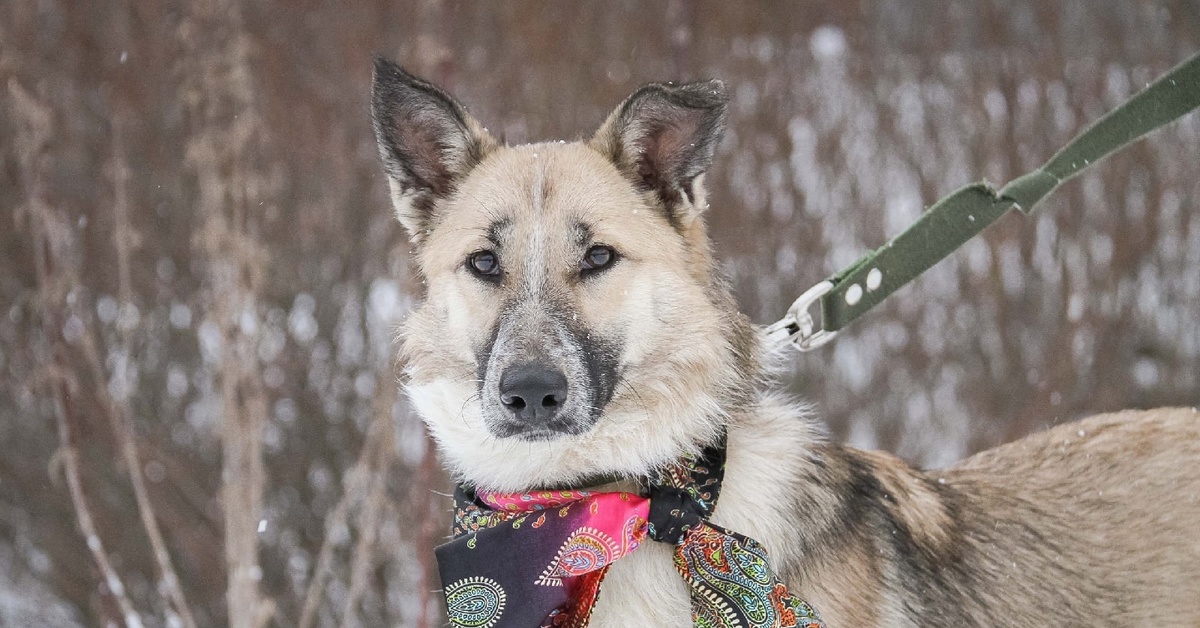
(597, 258)
(485, 264)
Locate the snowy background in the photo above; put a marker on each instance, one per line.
(200, 275)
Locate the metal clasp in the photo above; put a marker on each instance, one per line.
(797, 326)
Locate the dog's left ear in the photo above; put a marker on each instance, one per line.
(663, 138)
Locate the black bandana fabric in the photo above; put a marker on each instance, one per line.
(537, 560)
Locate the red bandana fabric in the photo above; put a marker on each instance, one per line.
(536, 560)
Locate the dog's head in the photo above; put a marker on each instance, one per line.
(574, 324)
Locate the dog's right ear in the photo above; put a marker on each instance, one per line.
(427, 143)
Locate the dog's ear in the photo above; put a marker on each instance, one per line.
(427, 142)
(663, 137)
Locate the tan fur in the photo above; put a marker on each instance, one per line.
(1091, 523)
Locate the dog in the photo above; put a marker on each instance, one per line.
(576, 332)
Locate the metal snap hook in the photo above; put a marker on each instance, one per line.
(797, 326)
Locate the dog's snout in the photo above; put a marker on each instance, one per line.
(533, 392)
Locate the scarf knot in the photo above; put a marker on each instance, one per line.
(673, 512)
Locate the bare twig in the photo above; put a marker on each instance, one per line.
(370, 519)
(336, 517)
(363, 558)
(363, 474)
(35, 135)
(315, 589)
(422, 492)
(69, 456)
(125, 239)
(224, 153)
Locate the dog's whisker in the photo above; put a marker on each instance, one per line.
(637, 395)
(462, 412)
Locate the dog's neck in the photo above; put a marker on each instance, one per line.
(772, 465)
(774, 454)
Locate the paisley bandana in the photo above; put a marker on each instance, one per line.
(536, 560)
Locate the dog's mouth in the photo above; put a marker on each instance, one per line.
(536, 433)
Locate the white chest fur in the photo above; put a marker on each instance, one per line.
(643, 589)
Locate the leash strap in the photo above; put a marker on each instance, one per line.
(953, 220)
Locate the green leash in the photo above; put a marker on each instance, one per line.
(953, 220)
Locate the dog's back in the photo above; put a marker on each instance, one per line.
(1089, 522)
(1102, 516)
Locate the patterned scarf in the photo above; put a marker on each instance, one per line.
(536, 560)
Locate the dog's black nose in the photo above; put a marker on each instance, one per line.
(533, 392)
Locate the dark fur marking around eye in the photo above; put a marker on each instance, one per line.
(583, 234)
(497, 232)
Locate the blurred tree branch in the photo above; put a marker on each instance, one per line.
(47, 230)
